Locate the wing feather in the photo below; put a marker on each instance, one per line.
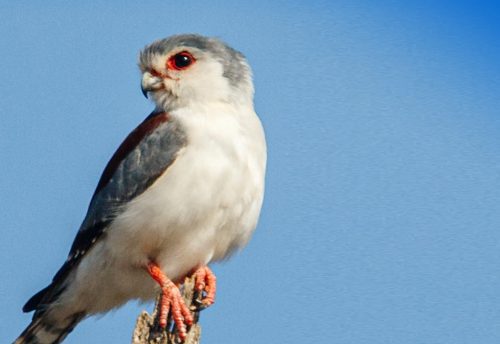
(143, 156)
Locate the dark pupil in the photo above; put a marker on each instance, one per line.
(182, 60)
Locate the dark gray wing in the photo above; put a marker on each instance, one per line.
(145, 155)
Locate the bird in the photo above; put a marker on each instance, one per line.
(183, 190)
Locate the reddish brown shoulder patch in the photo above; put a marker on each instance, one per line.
(132, 140)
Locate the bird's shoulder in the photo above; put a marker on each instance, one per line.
(144, 155)
(130, 143)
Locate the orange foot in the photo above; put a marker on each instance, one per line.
(171, 301)
(205, 282)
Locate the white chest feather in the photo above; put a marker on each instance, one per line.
(201, 209)
(207, 203)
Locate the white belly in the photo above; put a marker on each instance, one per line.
(203, 207)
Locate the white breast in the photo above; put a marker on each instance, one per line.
(201, 209)
(208, 201)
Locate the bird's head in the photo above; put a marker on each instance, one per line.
(185, 69)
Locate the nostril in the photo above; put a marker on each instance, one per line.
(160, 75)
(156, 73)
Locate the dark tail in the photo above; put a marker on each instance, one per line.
(52, 320)
(42, 331)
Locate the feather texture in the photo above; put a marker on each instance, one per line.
(183, 190)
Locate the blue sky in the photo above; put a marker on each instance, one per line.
(382, 211)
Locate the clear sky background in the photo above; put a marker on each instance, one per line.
(382, 211)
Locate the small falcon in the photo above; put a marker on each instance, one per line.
(184, 189)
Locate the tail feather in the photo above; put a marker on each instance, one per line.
(33, 303)
(41, 331)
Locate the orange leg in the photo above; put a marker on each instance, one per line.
(171, 301)
(205, 281)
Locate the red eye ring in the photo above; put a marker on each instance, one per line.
(180, 61)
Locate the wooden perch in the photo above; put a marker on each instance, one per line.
(147, 330)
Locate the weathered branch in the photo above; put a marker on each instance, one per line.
(147, 330)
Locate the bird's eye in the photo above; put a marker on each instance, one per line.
(180, 61)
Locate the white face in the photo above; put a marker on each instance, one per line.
(185, 75)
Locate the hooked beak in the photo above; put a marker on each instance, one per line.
(144, 92)
(150, 83)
